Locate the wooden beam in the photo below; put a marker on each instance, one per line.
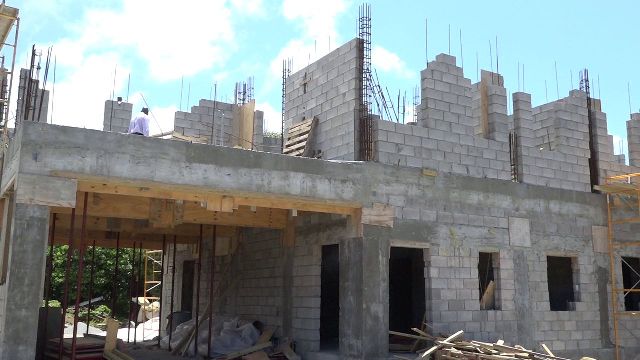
(135, 226)
(135, 207)
(201, 194)
(108, 239)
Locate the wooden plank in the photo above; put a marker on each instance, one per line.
(112, 335)
(145, 188)
(410, 336)
(259, 355)
(227, 204)
(129, 207)
(438, 346)
(488, 298)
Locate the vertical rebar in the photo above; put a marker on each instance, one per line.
(48, 282)
(131, 275)
(114, 291)
(198, 286)
(65, 296)
(365, 121)
(555, 65)
(173, 285)
(164, 249)
(91, 276)
(81, 246)
(211, 278)
(137, 291)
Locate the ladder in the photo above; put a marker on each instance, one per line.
(152, 281)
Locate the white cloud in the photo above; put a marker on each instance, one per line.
(172, 40)
(272, 117)
(389, 62)
(318, 17)
(318, 22)
(166, 41)
(248, 7)
(79, 99)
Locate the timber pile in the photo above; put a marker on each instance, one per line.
(454, 347)
(298, 137)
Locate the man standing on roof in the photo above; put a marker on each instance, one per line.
(140, 124)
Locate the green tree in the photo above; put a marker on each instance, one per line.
(104, 277)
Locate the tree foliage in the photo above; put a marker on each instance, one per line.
(104, 276)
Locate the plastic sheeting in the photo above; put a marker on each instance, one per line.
(145, 331)
(228, 336)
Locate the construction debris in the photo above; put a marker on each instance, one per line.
(453, 347)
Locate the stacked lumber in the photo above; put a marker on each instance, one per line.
(478, 350)
(298, 136)
(454, 347)
(193, 139)
(87, 348)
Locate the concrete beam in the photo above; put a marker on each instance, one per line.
(46, 190)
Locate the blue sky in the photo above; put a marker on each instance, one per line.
(158, 43)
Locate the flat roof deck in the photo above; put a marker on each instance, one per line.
(144, 188)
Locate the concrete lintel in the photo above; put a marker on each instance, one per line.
(46, 190)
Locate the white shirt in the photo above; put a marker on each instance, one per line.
(140, 124)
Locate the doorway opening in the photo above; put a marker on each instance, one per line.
(329, 297)
(407, 303)
(186, 298)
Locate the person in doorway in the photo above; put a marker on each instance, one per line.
(140, 124)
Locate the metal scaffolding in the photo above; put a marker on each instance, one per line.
(623, 212)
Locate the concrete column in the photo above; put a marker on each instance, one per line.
(364, 296)
(25, 278)
(523, 127)
(525, 323)
(633, 139)
(288, 254)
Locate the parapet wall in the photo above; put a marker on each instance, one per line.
(211, 119)
(464, 128)
(329, 90)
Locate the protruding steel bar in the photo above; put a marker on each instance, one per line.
(137, 290)
(65, 296)
(91, 277)
(198, 286)
(47, 282)
(79, 277)
(173, 286)
(131, 275)
(164, 249)
(114, 290)
(211, 278)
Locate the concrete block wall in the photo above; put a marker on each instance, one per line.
(457, 217)
(633, 139)
(199, 122)
(202, 123)
(312, 232)
(272, 144)
(117, 117)
(33, 110)
(553, 138)
(416, 146)
(329, 89)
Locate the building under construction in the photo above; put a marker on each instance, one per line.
(518, 226)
